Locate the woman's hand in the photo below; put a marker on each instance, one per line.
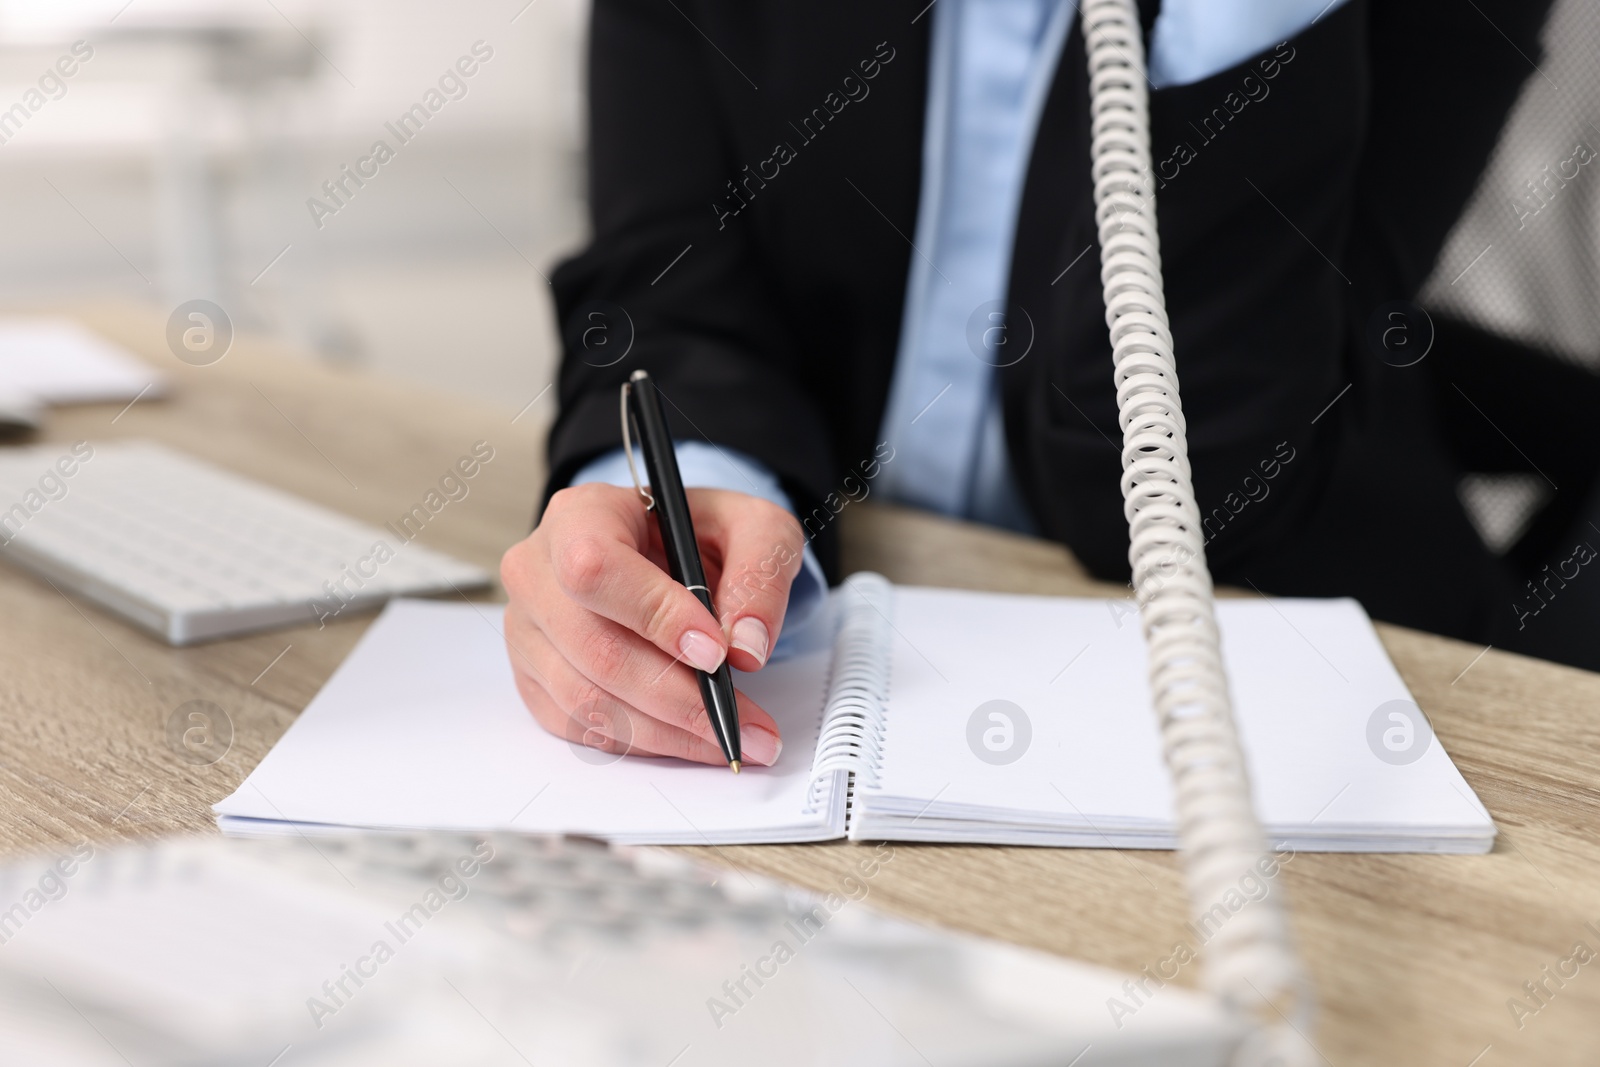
(602, 639)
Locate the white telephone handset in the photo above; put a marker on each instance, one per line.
(1251, 963)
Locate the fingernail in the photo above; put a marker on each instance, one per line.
(759, 744)
(700, 651)
(750, 634)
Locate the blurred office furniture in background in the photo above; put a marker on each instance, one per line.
(178, 160)
(1522, 260)
(1535, 219)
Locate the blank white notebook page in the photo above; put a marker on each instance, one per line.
(1306, 677)
(422, 728)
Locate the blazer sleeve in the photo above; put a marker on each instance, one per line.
(1444, 78)
(667, 284)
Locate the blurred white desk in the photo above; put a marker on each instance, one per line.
(1415, 957)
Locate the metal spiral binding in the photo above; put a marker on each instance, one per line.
(1250, 963)
(852, 731)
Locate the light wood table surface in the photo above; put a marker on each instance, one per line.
(1415, 957)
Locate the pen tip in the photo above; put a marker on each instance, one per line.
(733, 765)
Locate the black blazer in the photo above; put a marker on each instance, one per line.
(754, 177)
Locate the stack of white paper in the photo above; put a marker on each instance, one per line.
(57, 361)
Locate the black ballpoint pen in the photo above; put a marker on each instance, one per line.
(665, 496)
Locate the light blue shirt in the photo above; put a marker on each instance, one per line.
(991, 67)
(992, 63)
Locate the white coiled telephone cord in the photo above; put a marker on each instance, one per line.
(1250, 962)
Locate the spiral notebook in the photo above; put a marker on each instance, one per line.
(907, 713)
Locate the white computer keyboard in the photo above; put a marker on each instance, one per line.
(189, 551)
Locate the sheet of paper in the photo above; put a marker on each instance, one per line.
(58, 361)
(422, 728)
(1079, 741)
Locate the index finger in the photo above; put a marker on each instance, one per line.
(597, 540)
(762, 547)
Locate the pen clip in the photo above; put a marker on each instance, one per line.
(627, 448)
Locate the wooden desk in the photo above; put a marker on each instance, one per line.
(1415, 957)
